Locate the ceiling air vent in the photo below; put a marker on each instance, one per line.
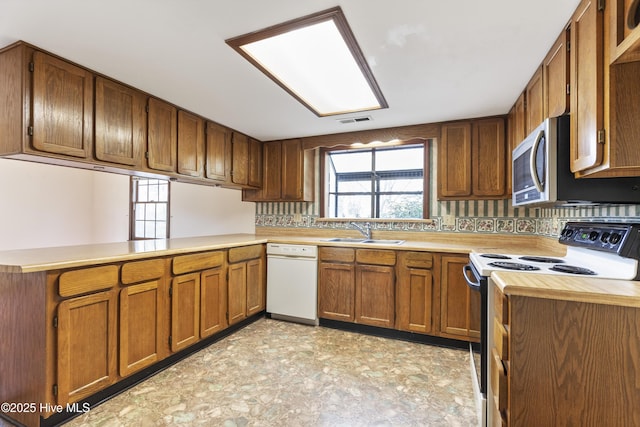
(355, 119)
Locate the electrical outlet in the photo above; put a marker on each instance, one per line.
(448, 220)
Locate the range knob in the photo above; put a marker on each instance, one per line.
(615, 238)
(593, 236)
(605, 237)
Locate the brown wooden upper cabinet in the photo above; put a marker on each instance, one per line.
(587, 86)
(287, 173)
(190, 144)
(555, 76)
(246, 160)
(62, 112)
(120, 123)
(162, 140)
(534, 107)
(218, 149)
(472, 160)
(624, 39)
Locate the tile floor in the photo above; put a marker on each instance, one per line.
(275, 373)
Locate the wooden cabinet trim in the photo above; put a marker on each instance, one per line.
(139, 271)
(197, 261)
(376, 256)
(244, 253)
(337, 254)
(76, 282)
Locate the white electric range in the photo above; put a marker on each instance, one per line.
(594, 249)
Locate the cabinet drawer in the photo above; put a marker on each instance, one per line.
(499, 382)
(244, 253)
(417, 259)
(196, 262)
(139, 271)
(337, 254)
(500, 306)
(500, 340)
(78, 282)
(376, 256)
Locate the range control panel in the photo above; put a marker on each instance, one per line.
(620, 238)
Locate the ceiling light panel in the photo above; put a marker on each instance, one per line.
(316, 60)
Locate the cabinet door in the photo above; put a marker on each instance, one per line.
(415, 294)
(218, 163)
(237, 304)
(62, 107)
(535, 101)
(489, 158)
(556, 78)
(121, 123)
(213, 301)
(520, 125)
(162, 138)
(185, 311)
(255, 163)
(272, 183)
(375, 295)
(336, 291)
(292, 169)
(87, 353)
(454, 160)
(190, 144)
(587, 86)
(256, 295)
(240, 159)
(459, 305)
(140, 326)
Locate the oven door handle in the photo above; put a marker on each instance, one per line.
(465, 272)
(533, 165)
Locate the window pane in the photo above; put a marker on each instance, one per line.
(153, 193)
(357, 161)
(139, 231)
(354, 186)
(143, 194)
(399, 159)
(150, 212)
(161, 230)
(163, 192)
(401, 206)
(400, 185)
(161, 211)
(139, 208)
(354, 207)
(149, 229)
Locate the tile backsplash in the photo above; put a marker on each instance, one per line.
(473, 216)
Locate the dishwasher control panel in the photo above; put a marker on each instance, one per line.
(298, 251)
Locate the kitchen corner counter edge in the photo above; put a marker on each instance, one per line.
(624, 293)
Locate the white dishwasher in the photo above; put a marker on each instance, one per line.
(292, 282)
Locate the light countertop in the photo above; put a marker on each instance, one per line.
(43, 259)
(568, 288)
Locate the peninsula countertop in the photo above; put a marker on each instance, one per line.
(50, 258)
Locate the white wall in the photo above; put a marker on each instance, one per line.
(44, 205)
(198, 210)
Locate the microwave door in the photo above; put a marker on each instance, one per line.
(537, 162)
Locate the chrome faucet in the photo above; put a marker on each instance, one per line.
(366, 230)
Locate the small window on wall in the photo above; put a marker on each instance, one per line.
(149, 208)
(385, 182)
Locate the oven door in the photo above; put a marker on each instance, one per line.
(530, 168)
(479, 365)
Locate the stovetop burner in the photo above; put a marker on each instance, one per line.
(495, 256)
(572, 269)
(514, 266)
(543, 259)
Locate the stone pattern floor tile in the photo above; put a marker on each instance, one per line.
(275, 373)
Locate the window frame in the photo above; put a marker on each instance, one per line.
(324, 181)
(133, 182)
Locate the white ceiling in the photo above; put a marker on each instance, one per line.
(434, 60)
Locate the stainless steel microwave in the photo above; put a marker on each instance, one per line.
(541, 174)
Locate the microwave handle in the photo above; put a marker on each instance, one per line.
(532, 164)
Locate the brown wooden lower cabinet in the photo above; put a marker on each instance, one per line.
(459, 304)
(375, 295)
(213, 301)
(87, 338)
(414, 306)
(185, 311)
(247, 282)
(556, 362)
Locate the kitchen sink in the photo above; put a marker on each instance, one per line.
(383, 241)
(370, 241)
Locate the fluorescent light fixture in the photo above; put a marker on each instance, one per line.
(317, 60)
